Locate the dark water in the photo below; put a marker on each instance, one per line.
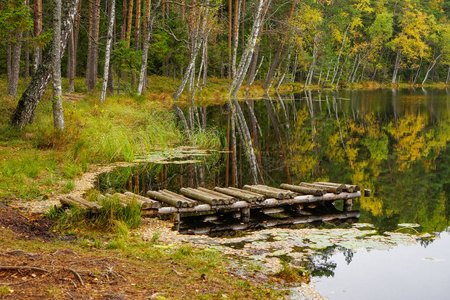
(394, 142)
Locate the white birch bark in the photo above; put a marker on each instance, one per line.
(244, 63)
(58, 112)
(431, 68)
(108, 50)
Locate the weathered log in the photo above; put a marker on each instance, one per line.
(347, 187)
(199, 196)
(165, 198)
(80, 203)
(240, 194)
(191, 202)
(231, 199)
(183, 202)
(328, 188)
(149, 203)
(264, 191)
(304, 190)
(259, 196)
(219, 201)
(286, 192)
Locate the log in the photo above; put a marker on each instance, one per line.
(239, 194)
(347, 187)
(264, 191)
(191, 202)
(287, 193)
(231, 199)
(184, 202)
(150, 203)
(220, 201)
(199, 196)
(304, 190)
(80, 203)
(259, 196)
(164, 198)
(328, 188)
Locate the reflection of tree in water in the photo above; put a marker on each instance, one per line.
(320, 264)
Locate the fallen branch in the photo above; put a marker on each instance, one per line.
(23, 268)
(76, 275)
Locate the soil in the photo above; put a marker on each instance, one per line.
(28, 227)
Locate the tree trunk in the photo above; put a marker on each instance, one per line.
(108, 49)
(26, 108)
(73, 42)
(237, 13)
(92, 61)
(230, 13)
(448, 76)
(149, 30)
(71, 62)
(280, 49)
(124, 20)
(431, 68)
(37, 54)
(250, 47)
(15, 65)
(396, 66)
(58, 112)
(336, 67)
(130, 21)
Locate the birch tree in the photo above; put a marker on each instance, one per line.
(108, 49)
(26, 108)
(58, 112)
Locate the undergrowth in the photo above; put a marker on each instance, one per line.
(113, 217)
(39, 162)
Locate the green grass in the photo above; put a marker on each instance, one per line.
(38, 162)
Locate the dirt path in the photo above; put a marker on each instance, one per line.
(81, 185)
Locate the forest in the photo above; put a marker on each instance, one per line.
(327, 43)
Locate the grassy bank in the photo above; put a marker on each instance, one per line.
(38, 162)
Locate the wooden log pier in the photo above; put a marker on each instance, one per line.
(262, 198)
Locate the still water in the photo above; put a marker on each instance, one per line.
(394, 142)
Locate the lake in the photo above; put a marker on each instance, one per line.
(394, 142)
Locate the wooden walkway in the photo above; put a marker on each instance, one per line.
(261, 197)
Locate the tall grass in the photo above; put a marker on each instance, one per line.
(112, 217)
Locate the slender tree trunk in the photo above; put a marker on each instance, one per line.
(108, 49)
(72, 52)
(58, 112)
(237, 12)
(15, 65)
(71, 62)
(37, 54)
(230, 26)
(431, 68)
(233, 151)
(26, 108)
(448, 76)
(336, 67)
(26, 73)
(396, 66)
(418, 71)
(280, 49)
(130, 21)
(124, 20)
(149, 30)
(92, 62)
(250, 47)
